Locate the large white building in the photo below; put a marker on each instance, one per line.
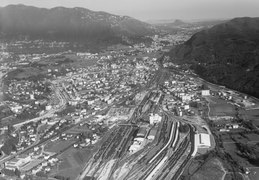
(202, 140)
(205, 92)
(17, 163)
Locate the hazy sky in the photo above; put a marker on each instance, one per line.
(157, 9)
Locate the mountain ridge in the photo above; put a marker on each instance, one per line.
(227, 54)
(69, 23)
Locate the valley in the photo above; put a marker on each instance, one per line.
(109, 97)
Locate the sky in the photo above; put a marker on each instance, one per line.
(157, 9)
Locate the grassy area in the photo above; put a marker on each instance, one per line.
(64, 164)
(232, 149)
(73, 161)
(211, 170)
(24, 73)
(70, 173)
(239, 137)
(252, 115)
(78, 130)
(82, 156)
(58, 145)
(220, 107)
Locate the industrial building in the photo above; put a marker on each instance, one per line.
(202, 140)
(152, 134)
(142, 132)
(17, 163)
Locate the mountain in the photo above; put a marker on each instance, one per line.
(226, 54)
(76, 24)
(167, 21)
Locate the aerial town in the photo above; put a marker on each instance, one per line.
(124, 113)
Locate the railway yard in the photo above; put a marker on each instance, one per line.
(130, 152)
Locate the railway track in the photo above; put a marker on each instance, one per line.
(187, 160)
(174, 158)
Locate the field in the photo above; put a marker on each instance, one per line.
(252, 115)
(211, 170)
(58, 145)
(239, 137)
(82, 156)
(24, 73)
(78, 130)
(220, 107)
(64, 164)
(81, 62)
(233, 151)
(73, 161)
